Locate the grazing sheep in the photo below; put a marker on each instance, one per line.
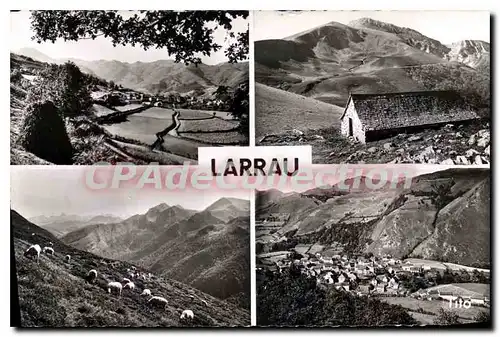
(91, 276)
(33, 252)
(187, 314)
(32, 234)
(158, 301)
(146, 292)
(125, 280)
(117, 286)
(67, 258)
(48, 250)
(129, 285)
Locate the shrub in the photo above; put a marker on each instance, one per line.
(66, 86)
(15, 76)
(44, 134)
(446, 317)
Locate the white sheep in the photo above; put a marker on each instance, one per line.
(126, 280)
(67, 258)
(48, 250)
(146, 292)
(158, 301)
(91, 276)
(187, 314)
(33, 252)
(117, 286)
(129, 285)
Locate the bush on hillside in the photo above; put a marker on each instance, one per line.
(292, 299)
(44, 134)
(66, 86)
(15, 76)
(239, 107)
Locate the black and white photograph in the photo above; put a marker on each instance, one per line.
(411, 253)
(126, 258)
(375, 87)
(127, 86)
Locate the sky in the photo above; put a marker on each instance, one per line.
(444, 26)
(38, 190)
(101, 48)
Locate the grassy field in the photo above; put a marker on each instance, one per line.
(194, 114)
(214, 124)
(128, 107)
(217, 138)
(100, 110)
(159, 113)
(139, 128)
(414, 304)
(277, 111)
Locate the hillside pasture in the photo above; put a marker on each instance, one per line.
(211, 125)
(100, 110)
(128, 107)
(218, 138)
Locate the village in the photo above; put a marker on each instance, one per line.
(386, 277)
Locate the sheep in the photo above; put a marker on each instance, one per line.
(91, 276)
(129, 285)
(67, 258)
(48, 250)
(187, 314)
(146, 292)
(126, 280)
(33, 252)
(51, 244)
(116, 286)
(158, 300)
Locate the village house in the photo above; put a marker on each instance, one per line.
(369, 117)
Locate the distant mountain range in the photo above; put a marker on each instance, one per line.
(159, 76)
(59, 225)
(208, 249)
(366, 55)
(444, 216)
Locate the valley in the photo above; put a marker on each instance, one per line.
(137, 123)
(398, 245)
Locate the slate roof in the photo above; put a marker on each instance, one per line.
(406, 109)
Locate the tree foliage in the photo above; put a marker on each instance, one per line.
(446, 317)
(184, 34)
(239, 107)
(292, 299)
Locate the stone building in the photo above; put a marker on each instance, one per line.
(369, 117)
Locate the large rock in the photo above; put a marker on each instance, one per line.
(472, 140)
(448, 161)
(471, 153)
(461, 160)
(427, 154)
(414, 138)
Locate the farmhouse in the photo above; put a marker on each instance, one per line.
(369, 117)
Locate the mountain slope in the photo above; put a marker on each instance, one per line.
(158, 77)
(54, 294)
(189, 246)
(443, 216)
(328, 62)
(60, 225)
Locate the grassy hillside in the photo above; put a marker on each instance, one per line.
(54, 293)
(281, 110)
(443, 216)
